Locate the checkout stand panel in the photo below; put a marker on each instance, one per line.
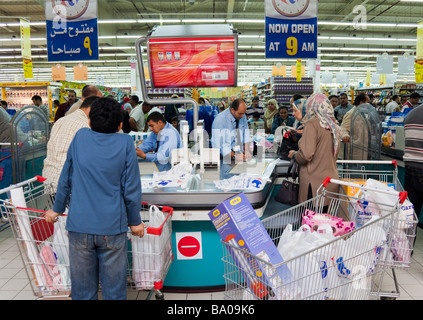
(204, 271)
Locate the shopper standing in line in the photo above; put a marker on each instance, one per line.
(61, 137)
(102, 175)
(230, 133)
(343, 108)
(360, 137)
(87, 91)
(318, 147)
(334, 101)
(282, 119)
(413, 158)
(38, 101)
(412, 102)
(3, 104)
(136, 116)
(269, 114)
(64, 107)
(255, 107)
(393, 105)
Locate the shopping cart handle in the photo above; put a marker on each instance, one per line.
(326, 181)
(403, 196)
(40, 178)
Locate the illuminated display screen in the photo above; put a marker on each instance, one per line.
(192, 62)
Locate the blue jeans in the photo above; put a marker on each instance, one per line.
(93, 258)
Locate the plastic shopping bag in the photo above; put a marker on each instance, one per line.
(306, 269)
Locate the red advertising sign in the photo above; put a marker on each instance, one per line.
(192, 62)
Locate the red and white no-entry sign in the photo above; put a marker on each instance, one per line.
(189, 245)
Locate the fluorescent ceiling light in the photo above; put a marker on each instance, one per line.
(203, 20)
(116, 21)
(245, 20)
(159, 20)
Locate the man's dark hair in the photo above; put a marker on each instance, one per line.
(394, 97)
(343, 94)
(37, 98)
(235, 104)
(256, 98)
(3, 103)
(283, 107)
(297, 96)
(256, 114)
(135, 99)
(105, 115)
(88, 102)
(89, 90)
(361, 98)
(156, 117)
(333, 96)
(414, 95)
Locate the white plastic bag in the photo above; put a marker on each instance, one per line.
(306, 270)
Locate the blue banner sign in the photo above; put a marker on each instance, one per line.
(72, 32)
(291, 29)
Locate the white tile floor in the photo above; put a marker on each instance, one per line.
(14, 284)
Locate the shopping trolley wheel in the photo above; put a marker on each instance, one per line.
(159, 296)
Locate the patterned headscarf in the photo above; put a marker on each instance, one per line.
(300, 105)
(318, 106)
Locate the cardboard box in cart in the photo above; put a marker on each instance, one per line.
(238, 224)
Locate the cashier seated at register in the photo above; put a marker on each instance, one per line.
(161, 141)
(230, 133)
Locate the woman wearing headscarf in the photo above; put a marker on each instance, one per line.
(318, 147)
(292, 137)
(269, 114)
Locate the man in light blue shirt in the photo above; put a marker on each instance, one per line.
(162, 140)
(230, 133)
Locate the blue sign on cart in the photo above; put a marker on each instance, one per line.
(291, 29)
(72, 32)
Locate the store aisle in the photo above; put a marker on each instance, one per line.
(14, 284)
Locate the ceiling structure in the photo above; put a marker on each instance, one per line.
(351, 34)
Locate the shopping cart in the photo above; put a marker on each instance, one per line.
(347, 267)
(150, 257)
(44, 247)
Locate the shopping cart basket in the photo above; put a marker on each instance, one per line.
(347, 267)
(44, 247)
(387, 173)
(150, 257)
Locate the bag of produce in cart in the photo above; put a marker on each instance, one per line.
(60, 246)
(146, 258)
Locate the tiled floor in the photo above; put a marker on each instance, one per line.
(14, 284)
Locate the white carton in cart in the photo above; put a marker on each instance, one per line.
(238, 224)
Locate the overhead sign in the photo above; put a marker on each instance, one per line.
(71, 30)
(291, 29)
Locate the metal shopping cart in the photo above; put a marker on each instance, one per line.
(351, 266)
(150, 257)
(44, 247)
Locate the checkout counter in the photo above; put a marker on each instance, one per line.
(197, 264)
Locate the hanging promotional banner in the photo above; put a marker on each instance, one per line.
(72, 32)
(291, 28)
(26, 49)
(419, 46)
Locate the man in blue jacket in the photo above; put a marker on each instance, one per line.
(102, 180)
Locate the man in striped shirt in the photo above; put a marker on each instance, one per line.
(255, 107)
(61, 137)
(413, 157)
